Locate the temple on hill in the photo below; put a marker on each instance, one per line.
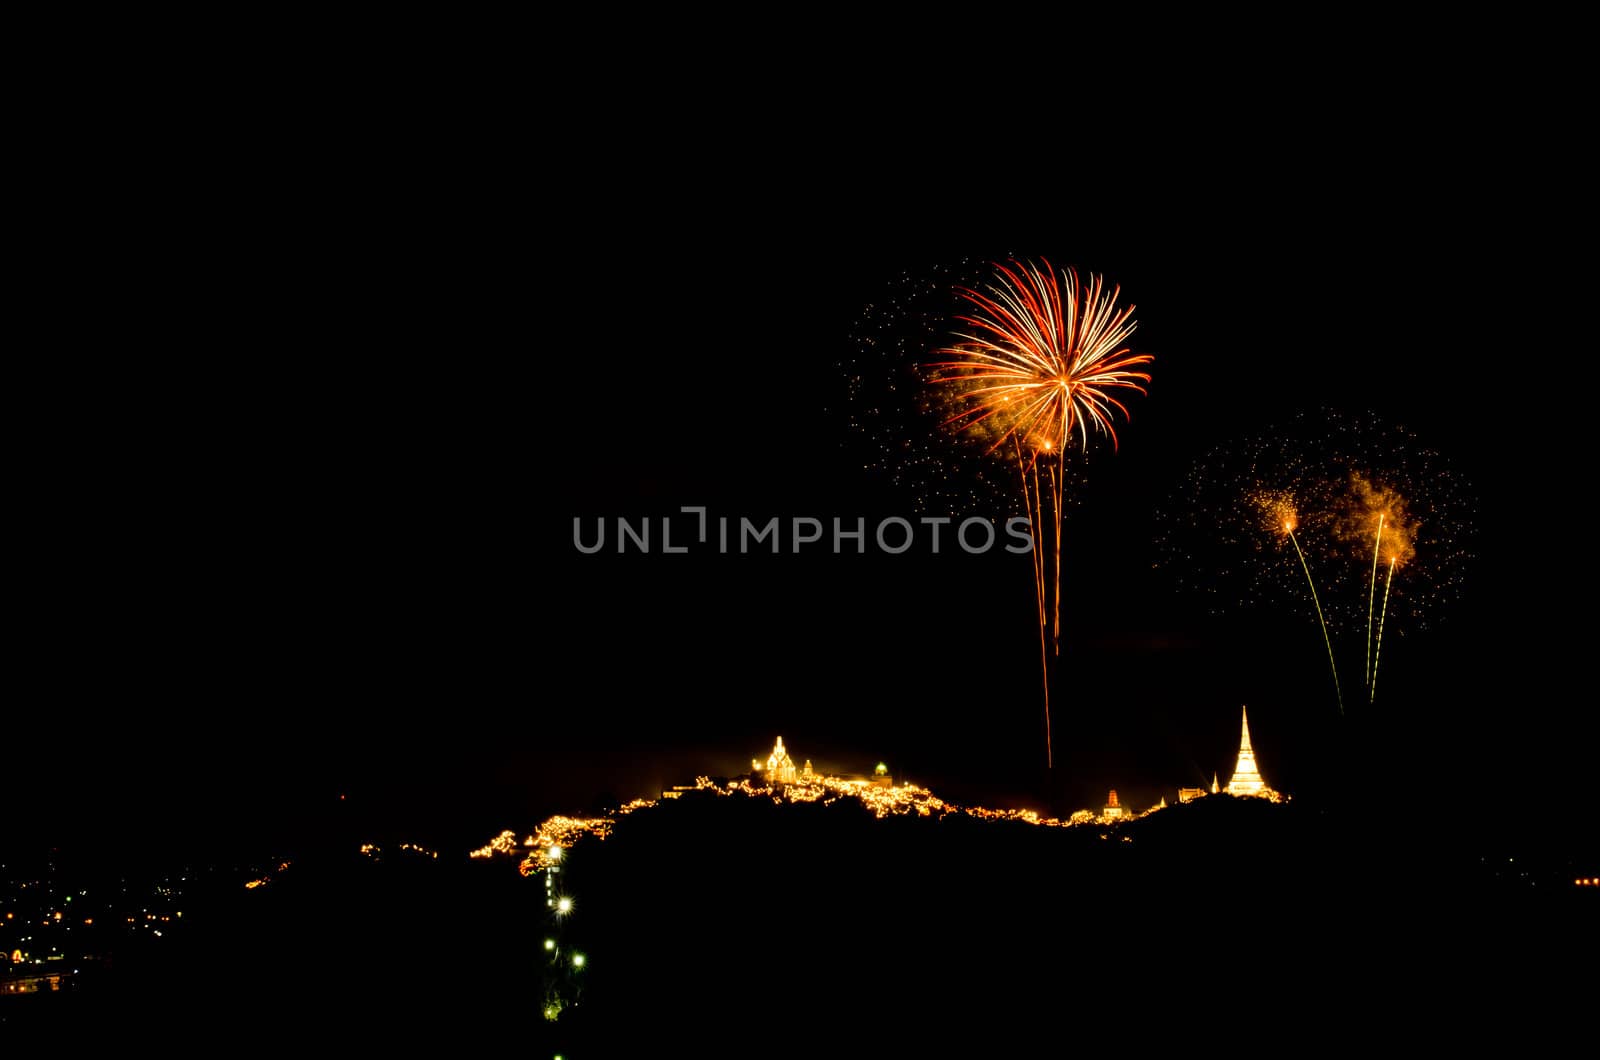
(1246, 778)
(780, 767)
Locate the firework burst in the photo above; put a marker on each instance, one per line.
(1366, 503)
(1034, 371)
(1377, 513)
(892, 418)
(1040, 359)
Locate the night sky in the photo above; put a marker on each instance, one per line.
(299, 509)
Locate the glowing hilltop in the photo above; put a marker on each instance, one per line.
(777, 778)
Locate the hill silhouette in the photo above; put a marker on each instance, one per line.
(713, 924)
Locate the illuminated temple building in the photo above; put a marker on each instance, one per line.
(780, 767)
(1246, 778)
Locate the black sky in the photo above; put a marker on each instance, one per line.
(298, 505)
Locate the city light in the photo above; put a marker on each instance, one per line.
(504, 843)
(424, 851)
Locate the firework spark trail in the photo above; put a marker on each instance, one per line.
(1036, 364)
(1372, 588)
(1372, 688)
(1038, 547)
(1320, 621)
(1038, 588)
(1033, 521)
(1397, 533)
(1056, 482)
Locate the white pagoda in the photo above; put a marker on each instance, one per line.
(1246, 777)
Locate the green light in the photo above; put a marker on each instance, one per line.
(578, 959)
(549, 944)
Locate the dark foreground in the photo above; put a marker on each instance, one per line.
(736, 926)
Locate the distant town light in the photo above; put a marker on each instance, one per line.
(577, 960)
(564, 905)
(549, 944)
(555, 853)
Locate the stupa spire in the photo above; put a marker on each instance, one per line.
(1246, 777)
